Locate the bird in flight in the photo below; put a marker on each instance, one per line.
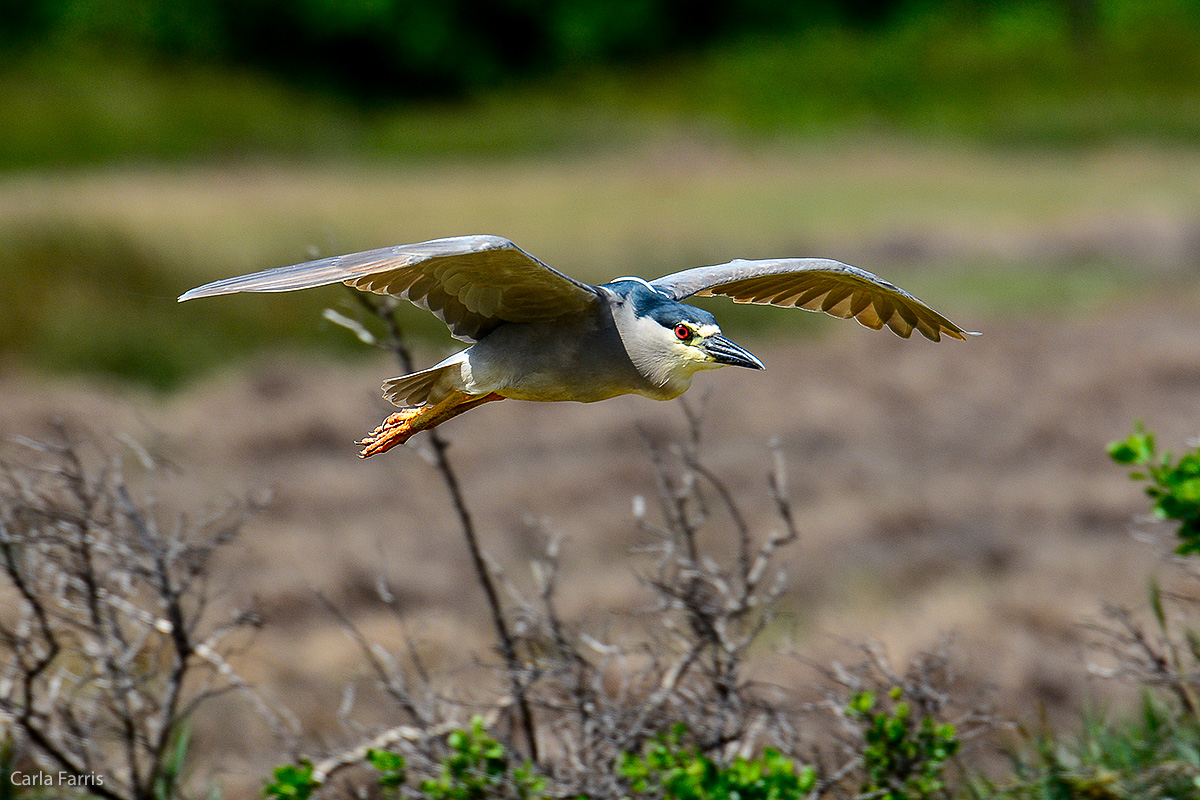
(541, 335)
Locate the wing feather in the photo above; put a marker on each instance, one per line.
(884, 310)
(859, 301)
(837, 302)
(814, 284)
(869, 317)
(810, 300)
(472, 283)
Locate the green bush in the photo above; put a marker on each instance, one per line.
(1154, 755)
(409, 47)
(671, 770)
(392, 770)
(1174, 485)
(478, 768)
(291, 782)
(903, 758)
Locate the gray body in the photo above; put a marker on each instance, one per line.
(541, 335)
(581, 359)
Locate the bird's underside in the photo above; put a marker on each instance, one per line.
(479, 284)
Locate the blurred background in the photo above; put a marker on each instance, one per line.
(1031, 169)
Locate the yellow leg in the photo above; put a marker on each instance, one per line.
(401, 426)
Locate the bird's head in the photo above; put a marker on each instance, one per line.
(668, 340)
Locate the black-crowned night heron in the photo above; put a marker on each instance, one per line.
(541, 335)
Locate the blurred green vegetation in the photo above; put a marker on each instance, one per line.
(86, 82)
(94, 300)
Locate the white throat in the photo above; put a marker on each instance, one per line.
(667, 364)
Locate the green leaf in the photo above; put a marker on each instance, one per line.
(861, 704)
(1174, 486)
(1156, 604)
(390, 766)
(671, 771)
(292, 782)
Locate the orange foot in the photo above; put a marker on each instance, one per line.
(401, 426)
(396, 429)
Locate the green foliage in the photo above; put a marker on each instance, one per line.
(171, 770)
(423, 48)
(477, 768)
(109, 309)
(903, 758)
(1010, 73)
(296, 781)
(1174, 485)
(88, 82)
(668, 769)
(405, 47)
(1154, 755)
(391, 768)
(292, 782)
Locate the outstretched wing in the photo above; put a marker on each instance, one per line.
(814, 284)
(472, 283)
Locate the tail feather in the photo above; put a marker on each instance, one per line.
(415, 388)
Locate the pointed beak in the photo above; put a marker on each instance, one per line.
(723, 351)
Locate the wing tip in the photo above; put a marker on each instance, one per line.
(207, 290)
(958, 333)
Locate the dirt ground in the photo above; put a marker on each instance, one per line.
(955, 488)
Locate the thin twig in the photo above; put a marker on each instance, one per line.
(386, 313)
(96, 578)
(385, 672)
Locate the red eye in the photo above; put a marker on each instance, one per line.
(683, 332)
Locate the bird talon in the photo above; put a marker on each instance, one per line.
(396, 429)
(407, 422)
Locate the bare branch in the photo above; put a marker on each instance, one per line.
(384, 309)
(107, 640)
